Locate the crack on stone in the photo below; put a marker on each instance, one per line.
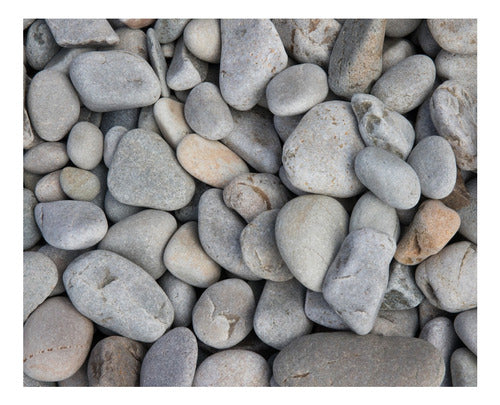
(107, 280)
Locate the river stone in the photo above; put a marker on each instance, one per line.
(185, 70)
(119, 295)
(57, 339)
(79, 184)
(308, 40)
(309, 231)
(85, 145)
(394, 51)
(219, 230)
(285, 125)
(371, 212)
(144, 172)
(251, 54)
(48, 188)
(345, 359)
(463, 68)
(190, 211)
(31, 232)
(255, 140)
(157, 60)
(319, 311)
(463, 366)
(401, 27)
(202, 38)
(115, 210)
(169, 29)
(449, 278)
(279, 316)
(223, 315)
(233, 368)
(424, 126)
(396, 323)
(388, 177)
(185, 258)
(171, 361)
(147, 120)
(207, 113)
(126, 118)
(209, 161)
(380, 126)
(45, 157)
(141, 238)
(71, 224)
(74, 32)
(287, 183)
(468, 214)
(454, 114)
(357, 278)
(131, 40)
(114, 80)
(169, 115)
(465, 325)
(402, 292)
(319, 154)
(406, 85)
(53, 105)
(111, 141)
(39, 279)
(182, 295)
(61, 61)
(40, 45)
(455, 35)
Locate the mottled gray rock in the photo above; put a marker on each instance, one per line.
(468, 214)
(147, 120)
(124, 118)
(74, 32)
(144, 172)
(48, 188)
(395, 50)
(319, 311)
(182, 295)
(185, 70)
(46, 157)
(454, 66)
(111, 141)
(131, 40)
(30, 138)
(388, 177)
(455, 35)
(402, 292)
(426, 40)
(31, 233)
(309, 231)
(251, 54)
(61, 61)
(396, 323)
(344, 359)
(115, 210)
(40, 45)
(71, 225)
(114, 80)
(119, 295)
(157, 60)
(202, 38)
(401, 27)
(424, 126)
(287, 183)
(463, 366)
(190, 211)
(169, 116)
(319, 154)
(79, 184)
(169, 29)
(465, 325)
(285, 125)
(30, 180)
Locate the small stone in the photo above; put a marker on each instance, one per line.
(169, 115)
(147, 120)
(90, 116)
(169, 29)
(427, 41)
(186, 70)
(137, 22)
(463, 366)
(402, 292)
(31, 233)
(202, 38)
(131, 40)
(284, 126)
(395, 50)
(46, 157)
(30, 139)
(40, 45)
(401, 27)
(124, 118)
(61, 61)
(115, 210)
(30, 180)
(157, 60)
(427, 311)
(182, 295)
(190, 211)
(424, 126)
(455, 35)
(396, 323)
(111, 141)
(468, 214)
(168, 49)
(454, 66)
(319, 311)
(459, 198)
(79, 184)
(465, 324)
(74, 32)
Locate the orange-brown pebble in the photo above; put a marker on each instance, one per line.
(137, 22)
(432, 228)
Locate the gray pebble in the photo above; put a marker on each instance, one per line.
(190, 211)
(319, 311)
(395, 50)
(119, 295)
(71, 225)
(115, 210)
(79, 379)
(465, 324)
(402, 292)
(114, 80)
(454, 66)
(427, 41)
(285, 125)
(62, 59)
(147, 120)
(181, 295)
(401, 27)
(125, 118)
(455, 35)
(424, 126)
(73, 32)
(31, 233)
(169, 29)
(79, 184)
(468, 214)
(288, 184)
(30, 180)
(40, 45)
(396, 323)
(157, 60)
(144, 172)
(427, 311)
(309, 231)
(48, 188)
(169, 116)
(90, 116)
(30, 138)
(101, 171)
(463, 366)
(46, 157)
(185, 70)
(202, 38)
(131, 40)
(111, 141)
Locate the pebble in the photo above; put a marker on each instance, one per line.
(454, 114)
(355, 282)
(427, 41)
(45, 157)
(309, 231)
(90, 116)
(465, 324)
(131, 40)
(115, 361)
(144, 172)
(147, 120)
(328, 359)
(356, 58)
(119, 295)
(30, 180)
(30, 139)
(182, 295)
(168, 49)
(259, 248)
(30, 382)
(53, 105)
(233, 368)
(169, 116)
(251, 54)
(115, 210)
(209, 161)
(454, 66)
(401, 27)
(279, 316)
(71, 225)
(223, 315)
(285, 125)
(449, 278)
(380, 126)
(186, 70)
(319, 154)
(61, 61)
(185, 258)
(430, 231)
(190, 211)
(319, 311)
(73, 32)
(296, 89)
(169, 29)
(79, 184)
(207, 113)
(286, 182)
(459, 198)
(371, 212)
(455, 35)
(427, 311)
(202, 38)
(424, 126)
(396, 323)
(468, 214)
(125, 118)
(171, 361)
(114, 80)
(157, 60)
(57, 340)
(402, 291)
(394, 51)
(40, 45)
(31, 233)
(219, 230)
(137, 22)
(463, 366)
(39, 279)
(406, 85)
(79, 379)
(141, 238)
(111, 141)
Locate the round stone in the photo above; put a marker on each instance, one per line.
(31, 233)
(79, 184)
(182, 295)
(395, 50)
(465, 325)
(455, 35)
(202, 38)
(45, 157)
(85, 145)
(48, 188)
(169, 115)
(463, 365)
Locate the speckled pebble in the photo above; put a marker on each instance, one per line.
(463, 366)
(395, 50)
(79, 184)
(46, 157)
(465, 325)
(402, 292)
(182, 295)
(455, 35)
(185, 70)
(169, 116)
(40, 45)
(169, 29)
(202, 37)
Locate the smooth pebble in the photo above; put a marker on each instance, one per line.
(202, 38)
(31, 232)
(181, 295)
(169, 116)
(75, 32)
(463, 366)
(455, 35)
(402, 291)
(185, 70)
(465, 325)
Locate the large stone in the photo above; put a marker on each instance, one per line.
(455, 35)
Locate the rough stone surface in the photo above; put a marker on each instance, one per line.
(463, 366)
(182, 295)
(40, 45)
(169, 29)
(79, 184)
(401, 27)
(396, 323)
(157, 60)
(455, 35)
(185, 70)
(74, 32)
(31, 232)
(169, 116)
(402, 292)
(466, 327)
(85, 145)
(468, 214)
(46, 157)
(202, 38)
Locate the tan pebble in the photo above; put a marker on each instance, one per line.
(48, 188)
(79, 184)
(137, 22)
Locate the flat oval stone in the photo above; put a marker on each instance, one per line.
(79, 184)
(395, 50)
(71, 224)
(406, 85)
(233, 368)
(388, 177)
(40, 45)
(468, 214)
(144, 172)
(57, 340)
(114, 80)
(45, 157)
(186, 70)
(319, 311)
(119, 295)
(115, 361)
(449, 278)
(185, 258)
(328, 359)
(319, 154)
(53, 104)
(85, 145)
(455, 35)
(169, 115)
(182, 295)
(465, 324)
(157, 60)
(309, 231)
(75, 32)
(463, 365)
(141, 238)
(402, 292)
(396, 323)
(31, 232)
(202, 37)
(171, 361)
(223, 315)
(401, 27)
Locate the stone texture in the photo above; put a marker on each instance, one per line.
(460, 197)
(401, 27)
(46, 157)
(137, 22)
(61, 61)
(111, 141)
(463, 366)
(455, 35)
(31, 233)
(319, 311)
(182, 295)
(190, 211)
(40, 45)
(427, 311)
(85, 145)
(424, 126)
(465, 324)
(402, 292)
(396, 323)
(79, 184)
(169, 115)
(157, 60)
(131, 40)
(115, 210)
(394, 51)
(468, 214)
(185, 70)
(74, 32)
(454, 66)
(79, 379)
(285, 125)
(202, 38)
(169, 29)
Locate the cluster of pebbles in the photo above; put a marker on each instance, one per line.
(250, 202)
